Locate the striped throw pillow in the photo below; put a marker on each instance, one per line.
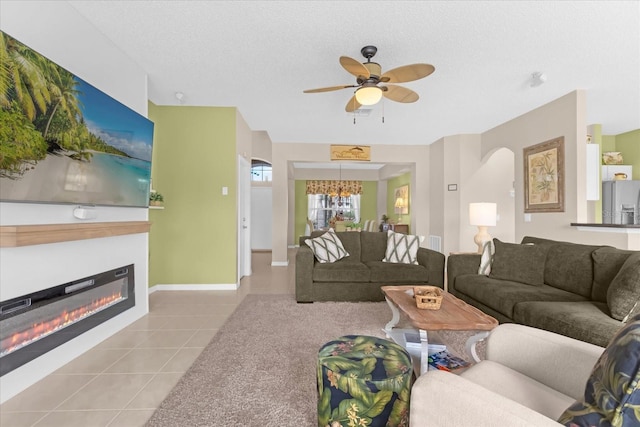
(487, 258)
(402, 248)
(327, 248)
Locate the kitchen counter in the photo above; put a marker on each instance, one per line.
(608, 226)
(628, 235)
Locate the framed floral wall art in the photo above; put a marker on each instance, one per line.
(544, 177)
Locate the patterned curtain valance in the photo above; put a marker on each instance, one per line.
(333, 187)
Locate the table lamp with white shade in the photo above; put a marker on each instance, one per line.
(482, 215)
(400, 205)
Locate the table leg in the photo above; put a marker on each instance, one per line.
(394, 319)
(424, 352)
(471, 344)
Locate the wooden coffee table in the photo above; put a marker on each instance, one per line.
(453, 315)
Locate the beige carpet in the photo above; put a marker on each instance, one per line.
(259, 369)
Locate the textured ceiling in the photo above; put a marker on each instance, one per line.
(260, 55)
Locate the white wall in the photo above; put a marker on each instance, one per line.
(58, 32)
(487, 180)
(484, 167)
(261, 207)
(261, 145)
(565, 116)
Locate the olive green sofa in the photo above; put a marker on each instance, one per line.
(561, 287)
(359, 276)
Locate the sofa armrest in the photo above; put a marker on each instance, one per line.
(304, 274)
(459, 264)
(303, 239)
(441, 398)
(434, 262)
(555, 360)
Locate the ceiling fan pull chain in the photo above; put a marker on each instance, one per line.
(354, 110)
(382, 110)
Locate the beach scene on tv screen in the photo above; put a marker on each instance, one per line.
(62, 140)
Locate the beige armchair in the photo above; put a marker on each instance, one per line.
(529, 378)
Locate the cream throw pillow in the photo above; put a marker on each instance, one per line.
(402, 248)
(487, 258)
(327, 247)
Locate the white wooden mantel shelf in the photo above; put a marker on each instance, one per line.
(12, 236)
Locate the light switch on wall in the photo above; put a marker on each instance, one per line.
(225, 191)
(527, 217)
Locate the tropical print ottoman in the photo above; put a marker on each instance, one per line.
(363, 381)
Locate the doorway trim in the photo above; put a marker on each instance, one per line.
(244, 218)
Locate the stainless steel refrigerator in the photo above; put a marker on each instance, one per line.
(621, 202)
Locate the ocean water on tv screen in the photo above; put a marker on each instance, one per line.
(105, 180)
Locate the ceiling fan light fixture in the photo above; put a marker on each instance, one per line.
(368, 95)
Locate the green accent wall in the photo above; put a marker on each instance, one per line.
(608, 143)
(392, 184)
(368, 201)
(628, 144)
(193, 240)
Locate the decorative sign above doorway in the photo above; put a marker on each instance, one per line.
(351, 152)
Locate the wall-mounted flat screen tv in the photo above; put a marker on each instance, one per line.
(64, 141)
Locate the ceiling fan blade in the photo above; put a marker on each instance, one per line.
(327, 89)
(354, 67)
(400, 94)
(352, 105)
(407, 73)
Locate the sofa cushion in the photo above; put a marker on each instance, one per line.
(327, 247)
(612, 394)
(351, 242)
(345, 270)
(374, 245)
(384, 272)
(607, 262)
(519, 263)
(530, 240)
(583, 320)
(503, 295)
(569, 266)
(402, 248)
(624, 290)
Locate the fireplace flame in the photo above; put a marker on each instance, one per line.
(66, 318)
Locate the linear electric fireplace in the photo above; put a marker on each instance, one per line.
(34, 324)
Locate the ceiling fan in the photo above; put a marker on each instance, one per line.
(369, 75)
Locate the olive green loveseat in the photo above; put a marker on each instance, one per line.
(359, 276)
(562, 287)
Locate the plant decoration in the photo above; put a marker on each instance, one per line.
(155, 199)
(384, 225)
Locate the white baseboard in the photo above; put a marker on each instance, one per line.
(190, 287)
(280, 263)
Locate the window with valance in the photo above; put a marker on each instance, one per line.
(329, 200)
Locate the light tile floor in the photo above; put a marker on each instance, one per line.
(121, 381)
